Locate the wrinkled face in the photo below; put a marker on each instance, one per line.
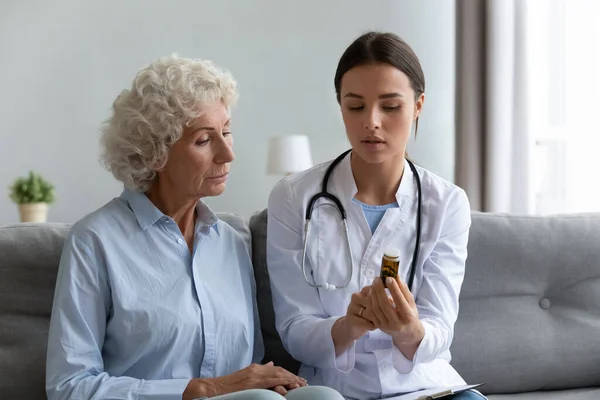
(378, 108)
(198, 163)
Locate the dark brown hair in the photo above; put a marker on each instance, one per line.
(386, 48)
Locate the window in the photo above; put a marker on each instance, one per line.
(563, 39)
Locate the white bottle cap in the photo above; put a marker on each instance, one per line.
(392, 252)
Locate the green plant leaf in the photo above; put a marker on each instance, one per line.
(32, 189)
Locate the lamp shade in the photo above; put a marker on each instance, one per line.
(289, 154)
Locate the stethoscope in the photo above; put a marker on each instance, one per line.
(340, 207)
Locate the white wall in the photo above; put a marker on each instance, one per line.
(63, 62)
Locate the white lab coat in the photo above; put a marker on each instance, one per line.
(373, 366)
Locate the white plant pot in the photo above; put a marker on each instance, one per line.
(33, 212)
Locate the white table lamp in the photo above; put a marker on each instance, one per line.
(289, 154)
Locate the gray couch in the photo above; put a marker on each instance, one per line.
(529, 322)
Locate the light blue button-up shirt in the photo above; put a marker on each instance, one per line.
(136, 315)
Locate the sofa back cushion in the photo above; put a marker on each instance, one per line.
(29, 256)
(529, 314)
(274, 350)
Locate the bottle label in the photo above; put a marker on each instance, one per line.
(389, 268)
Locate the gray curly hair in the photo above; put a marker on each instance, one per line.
(165, 96)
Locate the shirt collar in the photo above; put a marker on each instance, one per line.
(406, 191)
(206, 217)
(147, 214)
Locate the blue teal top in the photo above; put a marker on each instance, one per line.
(374, 214)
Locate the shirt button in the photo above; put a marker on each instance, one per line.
(371, 274)
(166, 220)
(180, 241)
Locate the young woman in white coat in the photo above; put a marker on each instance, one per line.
(333, 312)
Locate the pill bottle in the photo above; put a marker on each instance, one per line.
(390, 263)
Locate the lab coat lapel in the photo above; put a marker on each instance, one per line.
(358, 228)
(398, 227)
(395, 220)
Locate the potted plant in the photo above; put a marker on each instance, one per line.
(33, 194)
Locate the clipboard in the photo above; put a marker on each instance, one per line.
(436, 393)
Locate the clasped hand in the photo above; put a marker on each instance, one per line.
(397, 315)
(267, 376)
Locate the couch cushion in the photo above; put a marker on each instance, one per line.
(529, 315)
(240, 224)
(274, 350)
(575, 394)
(29, 256)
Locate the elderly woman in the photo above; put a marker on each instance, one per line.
(155, 297)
